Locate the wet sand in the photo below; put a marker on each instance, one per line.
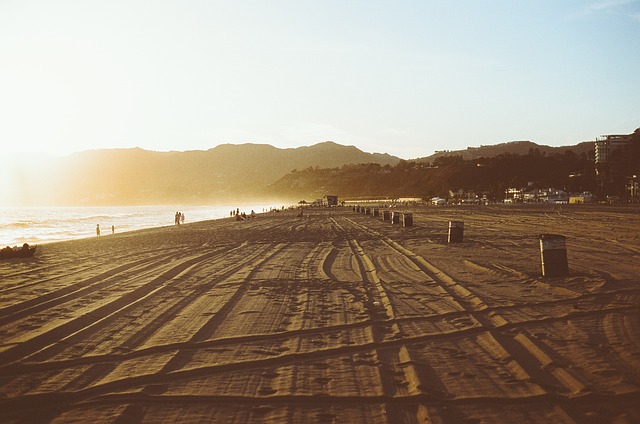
(336, 317)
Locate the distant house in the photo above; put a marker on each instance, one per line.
(331, 200)
(580, 199)
(557, 196)
(409, 200)
(513, 195)
(463, 196)
(531, 195)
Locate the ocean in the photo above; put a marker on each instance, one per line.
(37, 225)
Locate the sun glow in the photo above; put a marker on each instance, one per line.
(18, 173)
(7, 177)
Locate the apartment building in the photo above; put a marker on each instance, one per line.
(604, 164)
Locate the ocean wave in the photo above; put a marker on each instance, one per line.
(21, 224)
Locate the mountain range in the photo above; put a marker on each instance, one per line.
(224, 174)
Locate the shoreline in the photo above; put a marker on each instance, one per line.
(53, 224)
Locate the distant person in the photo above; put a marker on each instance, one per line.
(98, 230)
(177, 219)
(113, 229)
(182, 217)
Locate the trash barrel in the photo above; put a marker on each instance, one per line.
(395, 217)
(386, 215)
(456, 231)
(376, 212)
(553, 253)
(407, 220)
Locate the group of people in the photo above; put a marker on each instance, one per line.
(242, 216)
(113, 230)
(179, 218)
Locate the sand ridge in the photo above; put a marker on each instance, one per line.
(333, 317)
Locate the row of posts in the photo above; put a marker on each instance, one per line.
(553, 251)
(404, 218)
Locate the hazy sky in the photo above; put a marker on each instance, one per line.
(403, 77)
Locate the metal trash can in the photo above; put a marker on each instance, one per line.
(386, 215)
(456, 231)
(553, 253)
(407, 220)
(395, 217)
(376, 212)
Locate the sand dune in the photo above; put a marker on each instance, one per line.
(334, 317)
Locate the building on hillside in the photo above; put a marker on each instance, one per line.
(604, 163)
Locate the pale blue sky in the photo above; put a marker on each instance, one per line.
(403, 77)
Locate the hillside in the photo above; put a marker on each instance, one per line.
(512, 147)
(490, 176)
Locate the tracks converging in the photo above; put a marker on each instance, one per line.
(333, 308)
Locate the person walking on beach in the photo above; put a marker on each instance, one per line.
(113, 229)
(98, 230)
(182, 217)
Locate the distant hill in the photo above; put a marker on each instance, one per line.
(226, 173)
(512, 147)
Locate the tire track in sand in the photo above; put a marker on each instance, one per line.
(163, 309)
(97, 315)
(397, 374)
(79, 289)
(531, 360)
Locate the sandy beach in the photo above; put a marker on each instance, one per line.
(335, 317)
